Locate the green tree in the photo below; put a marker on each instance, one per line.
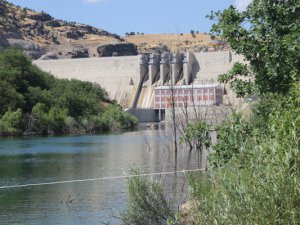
(39, 119)
(9, 97)
(57, 120)
(11, 122)
(197, 135)
(267, 35)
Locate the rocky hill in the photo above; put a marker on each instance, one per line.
(38, 33)
(42, 36)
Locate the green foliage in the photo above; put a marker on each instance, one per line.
(9, 97)
(260, 187)
(197, 135)
(11, 122)
(54, 106)
(232, 136)
(284, 121)
(114, 118)
(57, 118)
(242, 87)
(267, 35)
(146, 202)
(39, 119)
(261, 184)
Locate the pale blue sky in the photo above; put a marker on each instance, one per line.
(148, 16)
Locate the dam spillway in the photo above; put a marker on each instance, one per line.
(132, 80)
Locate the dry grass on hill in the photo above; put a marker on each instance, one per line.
(175, 41)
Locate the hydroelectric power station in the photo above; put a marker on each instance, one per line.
(144, 84)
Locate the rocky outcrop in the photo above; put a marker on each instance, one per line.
(74, 34)
(29, 48)
(117, 50)
(41, 17)
(53, 23)
(50, 56)
(3, 40)
(78, 53)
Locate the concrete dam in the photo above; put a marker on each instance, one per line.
(123, 76)
(144, 81)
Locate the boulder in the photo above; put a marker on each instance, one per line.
(78, 53)
(117, 50)
(49, 56)
(52, 23)
(73, 34)
(41, 17)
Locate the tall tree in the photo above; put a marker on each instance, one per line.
(267, 34)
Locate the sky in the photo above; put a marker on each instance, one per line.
(147, 16)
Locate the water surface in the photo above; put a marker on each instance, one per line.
(51, 159)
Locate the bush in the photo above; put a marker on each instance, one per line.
(113, 118)
(11, 123)
(231, 137)
(57, 118)
(146, 202)
(39, 119)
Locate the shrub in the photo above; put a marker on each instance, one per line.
(114, 118)
(11, 122)
(57, 118)
(146, 202)
(231, 137)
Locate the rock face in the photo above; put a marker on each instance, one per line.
(3, 40)
(79, 53)
(117, 50)
(29, 48)
(37, 33)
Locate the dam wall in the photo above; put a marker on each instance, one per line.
(119, 76)
(131, 80)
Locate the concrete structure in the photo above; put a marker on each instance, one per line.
(120, 76)
(187, 95)
(131, 80)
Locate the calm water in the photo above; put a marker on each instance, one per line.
(36, 160)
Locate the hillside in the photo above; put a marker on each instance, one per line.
(196, 42)
(41, 35)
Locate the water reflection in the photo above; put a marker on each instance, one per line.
(35, 160)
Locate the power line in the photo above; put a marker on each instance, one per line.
(98, 179)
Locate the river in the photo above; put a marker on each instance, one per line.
(52, 159)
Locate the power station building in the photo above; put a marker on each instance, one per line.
(188, 95)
